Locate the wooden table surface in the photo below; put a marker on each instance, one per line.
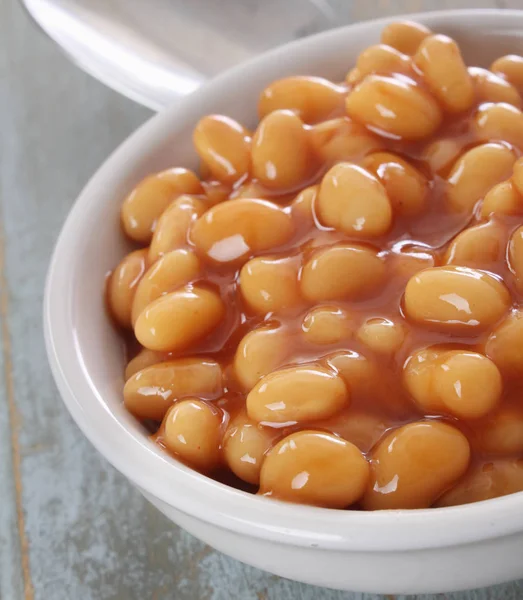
(72, 528)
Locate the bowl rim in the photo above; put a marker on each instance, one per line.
(197, 495)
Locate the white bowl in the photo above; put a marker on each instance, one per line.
(391, 551)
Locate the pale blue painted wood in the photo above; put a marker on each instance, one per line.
(90, 536)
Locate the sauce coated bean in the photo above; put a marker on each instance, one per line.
(455, 299)
(270, 285)
(150, 392)
(397, 107)
(224, 146)
(485, 481)
(511, 68)
(245, 445)
(177, 320)
(123, 284)
(171, 231)
(360, 374)
(353, 201)
(235, 229)
(476, 172)
(382, 335)
(406, 187)
(193, 431)
(505, 344)
(313, 99)
(259, 353)
(405, 36)
(296, 395)
(145, 204)
(172, 271)
(499, 122)
(342, 139)
(342, 272)
(326, 325)
(480, 246)
(461, 383)
(313, 467)
(439, 59)
(145, 358)
(281, 156)
(490, 87)
(415, 464)
(502, 199)
(383, 60)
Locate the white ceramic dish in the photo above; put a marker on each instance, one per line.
(391, 552)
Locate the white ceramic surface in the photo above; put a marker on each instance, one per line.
(389, 551)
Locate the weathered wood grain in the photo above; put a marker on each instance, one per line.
(71, 528)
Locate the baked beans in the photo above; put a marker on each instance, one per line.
(331, 311)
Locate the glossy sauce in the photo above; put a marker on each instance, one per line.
(374, 407)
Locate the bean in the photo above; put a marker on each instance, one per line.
(502, 433)
(476, 172)
(260, 352)
(414, 465)
(499, 122)
(503, 199)
(224, 146)
(484, 481)
(216, 191)
(409, 261)
(302, 207)
(511, 68)
(172, 271)
(405, 36)
(515, 256)
(383, 60)
(439, 60)
(326, 325)
(353, 201)
(360, 374)
(441, 154)
(406, 187)
(150, 392)
(342, 272)
(297, 394)
(342, 139)
(455, 299)
(123, 284)
(193, 432)
(361, 428)
(505, 345)
(395, 107)
(490, 87)
(179, 319)
(145, 358)
(235, 229)
(313, 99)
(144, 205)
(270, 285)
(382, 335)
(173, 226)
(480, 246)
(245, 445)
(517, 175)
(281, 155)
(464, 384)
(313, 467)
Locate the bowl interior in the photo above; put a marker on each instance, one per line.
(86, 353)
